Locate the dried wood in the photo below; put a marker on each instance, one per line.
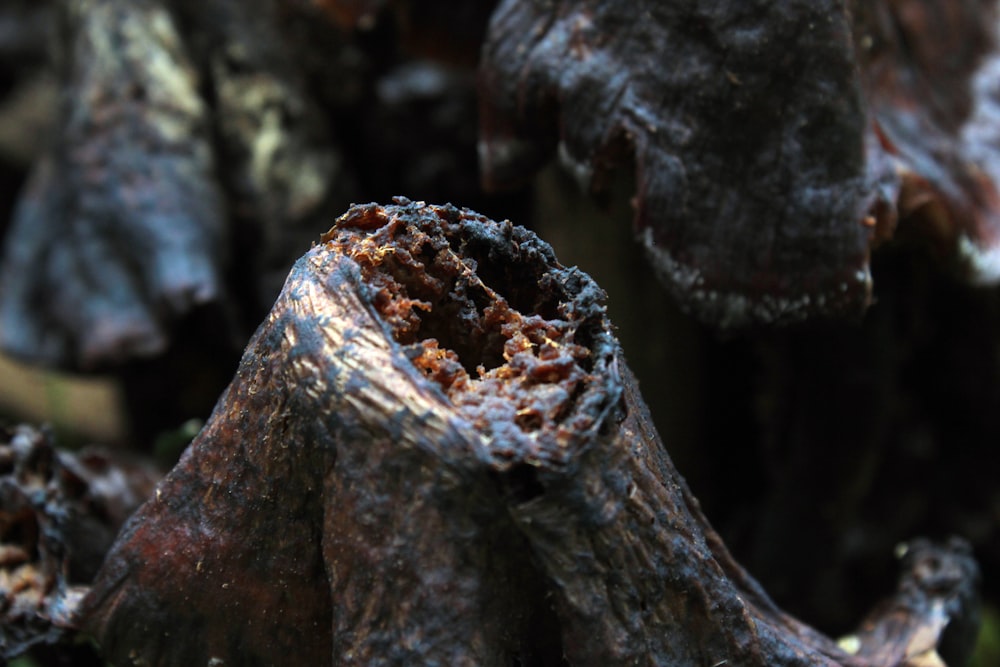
(434, 453)
(121, 228)
(774, 144)
(59, 513)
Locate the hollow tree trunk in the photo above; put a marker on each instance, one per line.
(434, 453)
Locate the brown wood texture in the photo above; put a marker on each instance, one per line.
(434, 453)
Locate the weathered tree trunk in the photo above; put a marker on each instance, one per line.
(434, 453)
(132, 168)
(176, 119)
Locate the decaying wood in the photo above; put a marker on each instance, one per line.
(121, 229)
(773, 144)
(59, 514)
(744, 124)
(433, 452)
(217, 124)
(929, 71)
(281, 167)
(181, 126)
(198, 141)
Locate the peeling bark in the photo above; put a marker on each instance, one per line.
(434, 453)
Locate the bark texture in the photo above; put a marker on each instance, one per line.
(199, 142)
(186, 131)
(434, 453)
(761, 224)
(773, 144)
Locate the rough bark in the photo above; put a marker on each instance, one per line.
(745, 125)
(199, 142)
(434, 453)
(773, 143)
(281, 168)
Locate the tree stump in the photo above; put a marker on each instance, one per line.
(434, 453)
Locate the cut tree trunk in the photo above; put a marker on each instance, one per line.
(434, 453)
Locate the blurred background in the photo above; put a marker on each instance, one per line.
(217, 140)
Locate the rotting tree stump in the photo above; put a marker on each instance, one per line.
(434, 453)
